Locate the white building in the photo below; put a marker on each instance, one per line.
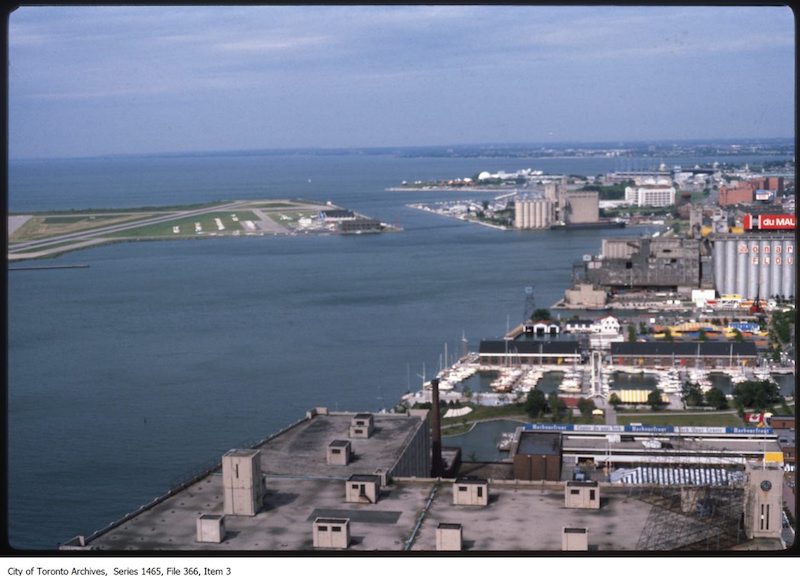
(608, 325)
(650, 195)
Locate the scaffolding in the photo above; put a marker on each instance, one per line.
(694, 516)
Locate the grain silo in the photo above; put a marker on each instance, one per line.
(718, 261)
(728, 283)
(788, 268)
(764, 287)
(742, 268)
(775, 269)
(753, 271)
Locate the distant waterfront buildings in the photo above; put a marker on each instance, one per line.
(656, 195)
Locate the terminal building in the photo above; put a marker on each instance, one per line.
(364, 482)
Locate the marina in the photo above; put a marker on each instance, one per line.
(469, 381)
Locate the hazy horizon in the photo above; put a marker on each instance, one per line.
(87, 81)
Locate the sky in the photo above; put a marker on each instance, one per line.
(94, 80)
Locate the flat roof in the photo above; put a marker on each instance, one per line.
(364, 478)
(683, 349)
(321, 520)
(446, 526)
(471, 480)
(241, 452)
(527, 347)
(584, 483)
(523, 517)
(302, 450)
(546, 443)
(339, 443)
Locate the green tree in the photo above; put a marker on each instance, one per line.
(535, 403)
(631, 333)
(716, 398)
(654, 400)
(540, 314)
(756, 394)
(586, 405)
(614, 400)
(556, 405)
(701, 335)
(738, 336)
(691, 394)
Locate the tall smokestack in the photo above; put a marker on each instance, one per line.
(437, 469)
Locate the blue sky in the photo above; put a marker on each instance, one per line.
(89, 81)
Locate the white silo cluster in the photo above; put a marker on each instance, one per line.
(531, 213)
(755, 265)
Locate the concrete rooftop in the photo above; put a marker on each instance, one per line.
(524, 517)
(302, 450)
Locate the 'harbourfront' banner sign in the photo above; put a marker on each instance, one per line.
(647, 429)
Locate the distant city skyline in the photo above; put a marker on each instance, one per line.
(93, 81)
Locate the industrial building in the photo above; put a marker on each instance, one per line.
(581, 208)
(585, 295)
(690, 354)
(285, 493)
(536, 213)
(756, 264)
(736, 193)
(672, 263)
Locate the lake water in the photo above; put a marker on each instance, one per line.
(160, 356)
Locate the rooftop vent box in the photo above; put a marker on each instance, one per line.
(468, 491)
(363, 488)
(448, 537)
(582, 495)
(331, 533)
(339, 453)
(575, 539)
(211, 528)
(242, 482)
(362, 426)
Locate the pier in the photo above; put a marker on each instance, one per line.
(50, 267)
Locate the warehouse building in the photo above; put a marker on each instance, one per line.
(528, 352)
(690, 354)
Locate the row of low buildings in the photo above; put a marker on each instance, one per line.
(657, 354)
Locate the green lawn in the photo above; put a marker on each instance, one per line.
(187, 226)
(452, 426)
